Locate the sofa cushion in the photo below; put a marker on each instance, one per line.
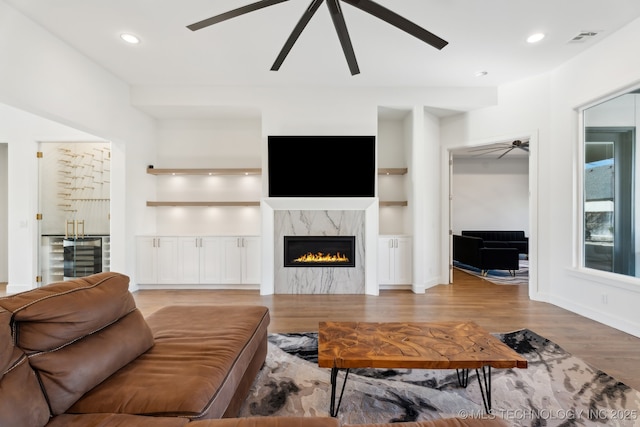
(55, 314)
(269, 422)
(114, 420)
(21, 400)
(194, 368)
(489, 421)
(77, 333)
(68, 372)
(6, 341)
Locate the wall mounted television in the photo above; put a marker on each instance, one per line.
(321, 166)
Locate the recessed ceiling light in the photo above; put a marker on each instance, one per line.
(481, 73)
(129, 38)
(535, 38)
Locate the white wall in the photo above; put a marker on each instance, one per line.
(490, 194)
(209, 143)
(57, 83)
(548, 106)
(4, 211)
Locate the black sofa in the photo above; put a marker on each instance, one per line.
(472, 251)
(501, 239)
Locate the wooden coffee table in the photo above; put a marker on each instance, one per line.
(413, 345)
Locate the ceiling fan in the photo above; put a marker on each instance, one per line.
(505, 147)
(335, 10)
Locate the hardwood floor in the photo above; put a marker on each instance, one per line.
(497, 308)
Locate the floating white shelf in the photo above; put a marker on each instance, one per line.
(205, 204)
(392, 171)
(206, 171)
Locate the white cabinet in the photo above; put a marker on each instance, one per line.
(157, 260)
(394, 260)
(210, 256)
(240, 260)
(198, 260)
(194, 260)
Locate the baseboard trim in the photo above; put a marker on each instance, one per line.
(604, 318)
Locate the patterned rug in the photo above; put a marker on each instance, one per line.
(557, 389)
(499, 277)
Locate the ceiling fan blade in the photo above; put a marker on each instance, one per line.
(506, 152)
(233, 13)
(492, 148)
(398, 21)
(300, 26)
(343, 35)
(484, 153)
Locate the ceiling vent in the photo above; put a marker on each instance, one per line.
(583, 36)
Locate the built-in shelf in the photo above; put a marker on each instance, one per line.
(206, 171)
(391, 203)
(156, 204)
(392, 171)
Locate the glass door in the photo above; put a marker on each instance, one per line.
(74, 205)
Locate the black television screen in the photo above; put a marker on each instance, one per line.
(321, 166)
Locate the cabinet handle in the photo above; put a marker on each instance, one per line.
(158, 242)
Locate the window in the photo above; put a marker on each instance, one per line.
(610, 163)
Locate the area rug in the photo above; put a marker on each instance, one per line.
(499, 277)
(557, 389)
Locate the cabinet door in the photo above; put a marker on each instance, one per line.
(188, 260)
(403, 261)
(385, 260)
(231, 266)
(251, 260)
(167, 248)
(210, 260)
(146, 260)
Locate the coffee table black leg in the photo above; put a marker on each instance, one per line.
(485, 387)
(463, 377)
(333, 410)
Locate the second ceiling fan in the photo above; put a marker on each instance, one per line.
(505, 148)
(339, 23)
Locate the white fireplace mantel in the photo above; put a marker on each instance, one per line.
(369, 205)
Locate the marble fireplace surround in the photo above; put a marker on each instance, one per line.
(319, 217)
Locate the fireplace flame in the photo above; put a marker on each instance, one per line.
(322, 257)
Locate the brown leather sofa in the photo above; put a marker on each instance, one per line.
(82, 347)
(80, 354)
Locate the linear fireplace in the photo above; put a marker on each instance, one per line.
(319, 251)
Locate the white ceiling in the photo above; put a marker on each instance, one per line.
(484, 35)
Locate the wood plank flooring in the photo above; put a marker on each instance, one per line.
(497, 308)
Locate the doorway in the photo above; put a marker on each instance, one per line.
(74, 207)
(489, 189)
